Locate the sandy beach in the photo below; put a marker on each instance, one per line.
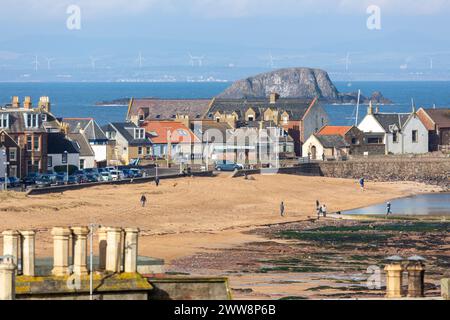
(185, 216)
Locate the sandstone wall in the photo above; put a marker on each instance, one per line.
(430, 170)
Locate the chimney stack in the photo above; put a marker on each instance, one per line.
(27, 103)
(15, 102)
(370, 109)
(44, 103)
(274, 97)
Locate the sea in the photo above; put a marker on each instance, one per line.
(79, 99)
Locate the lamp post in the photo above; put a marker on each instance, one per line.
(67, 166)
(92, 228)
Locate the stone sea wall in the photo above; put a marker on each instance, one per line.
(421, 169)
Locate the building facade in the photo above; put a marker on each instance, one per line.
(10, 156)
(129, 143)
(401, 133)
(437, 121)
(29, 127)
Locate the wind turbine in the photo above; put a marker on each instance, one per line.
(272, 59)
(93, 61)
(140, 59)
(431, 63)
(36, 63)
(194, 59)
(49, 61)
(347, 61)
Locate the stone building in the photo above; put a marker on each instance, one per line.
(437, 121)
(29, 127)
(401, 133)
(299, 117)
(9, 156)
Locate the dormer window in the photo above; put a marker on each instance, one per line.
(31, 120)
(139, 134)
(4, 121)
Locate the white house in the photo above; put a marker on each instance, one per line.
(61, 152)
(401, 133)
(96, 138)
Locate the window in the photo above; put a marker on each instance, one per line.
(64, 158)
(139, 134)
(13, 171)
(50, 161)
(31, 120)
(12, 154)
(4, 121)
(374, 140)
(415, 136)
(81, 164)
(36, 143)
(140, 151)
(149, 151)
(32, 166)
(395, 137)
(44, 117)
(252, 118)
(29, 143)
(354, 141)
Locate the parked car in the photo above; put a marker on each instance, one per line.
(228, 166)
(44, 181)
(106, 176)
(60, 179)
(91, 178)
(127, 174)
(91, 171)
(30, 178)
(12, 182)
(137, 173)
(116, 175)
(73, 180)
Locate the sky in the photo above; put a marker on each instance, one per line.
(156, 38)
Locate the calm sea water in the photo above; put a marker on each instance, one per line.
(425, 204)
(78, 99)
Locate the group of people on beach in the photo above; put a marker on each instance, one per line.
(321, 210)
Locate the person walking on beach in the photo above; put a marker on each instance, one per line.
(157, 181)
(143, 200)
(388, 209)
(282, 208)
(318, 209)
(362, 183)
(324, 210)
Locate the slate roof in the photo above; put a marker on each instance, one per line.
(386, 120)
(296, 108)
(85, 148)
(58, 143)
(332, 141)
(202, 126)
(441, 117)
(159, 109)
(126, 130)
(17, 121)
(91, 129)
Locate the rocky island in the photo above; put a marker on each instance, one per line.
(296, 83)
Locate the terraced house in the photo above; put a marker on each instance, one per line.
(300, 118)
(130, 143)
(28, 127)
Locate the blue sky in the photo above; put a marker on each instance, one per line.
(228, 33)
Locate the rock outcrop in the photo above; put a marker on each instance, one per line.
(288, 83)
(296, 83)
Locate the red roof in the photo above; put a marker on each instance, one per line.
(160, 131)
(334, 130)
